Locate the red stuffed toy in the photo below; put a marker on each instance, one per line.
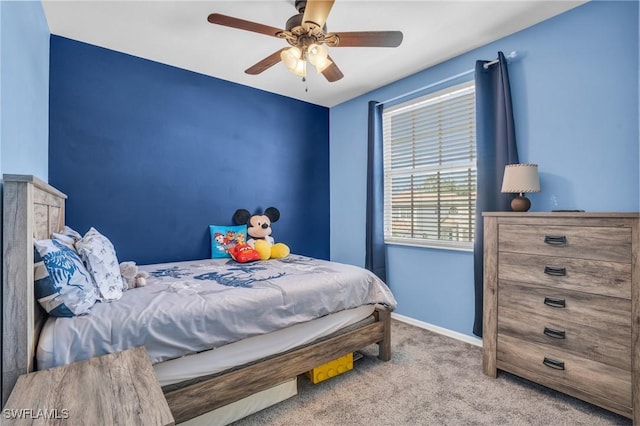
(243, 253)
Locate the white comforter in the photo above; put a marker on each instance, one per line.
(193, 306)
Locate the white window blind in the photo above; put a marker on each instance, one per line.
(430, 169)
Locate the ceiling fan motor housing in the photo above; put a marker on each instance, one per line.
(294, 21)
(300, 5)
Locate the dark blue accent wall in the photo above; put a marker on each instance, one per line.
(151, 155)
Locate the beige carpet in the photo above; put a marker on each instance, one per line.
(430, 380)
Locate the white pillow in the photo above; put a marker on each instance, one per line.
(68, 235)
(99, 256)
(63, 286)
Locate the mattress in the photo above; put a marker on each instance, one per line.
(191, 307)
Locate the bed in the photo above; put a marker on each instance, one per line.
(34, 209)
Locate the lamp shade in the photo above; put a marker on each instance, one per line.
(521, 178)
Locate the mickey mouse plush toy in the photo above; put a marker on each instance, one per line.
(259, 229)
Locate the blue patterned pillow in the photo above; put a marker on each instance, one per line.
(63, 285)
(224, 238)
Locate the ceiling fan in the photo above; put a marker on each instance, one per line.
(307, 34)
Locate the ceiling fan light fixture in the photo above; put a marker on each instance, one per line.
(291, 57)
(300, 68)
(317, 54)
(323, 65)
(307, 33)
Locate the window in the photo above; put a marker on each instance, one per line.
(430, 169)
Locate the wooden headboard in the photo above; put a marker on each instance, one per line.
(31, 209)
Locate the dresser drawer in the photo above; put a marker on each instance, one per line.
(592, 276)
(603, 312)
(560, 369)
(581, 242)
(598, 342)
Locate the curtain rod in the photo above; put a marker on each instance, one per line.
(428, 86)
(510, 56)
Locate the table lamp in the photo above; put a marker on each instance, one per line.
(519, 179)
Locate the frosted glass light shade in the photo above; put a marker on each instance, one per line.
(317, 53)
(290, 57)
(318, 57)
(323, 65)
(300, 68)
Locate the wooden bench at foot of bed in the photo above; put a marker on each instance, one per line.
(196, 397)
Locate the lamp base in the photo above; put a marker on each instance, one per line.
(520, 204)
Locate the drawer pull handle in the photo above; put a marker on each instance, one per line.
(556, 272)
(555, 240)
(556, 334)
(554, 302)
(552, 363)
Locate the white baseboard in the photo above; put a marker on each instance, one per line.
(440, 330)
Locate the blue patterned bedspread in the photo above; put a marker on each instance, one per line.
(188, 307)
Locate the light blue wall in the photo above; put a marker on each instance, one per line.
(24, 93)
(575, 96)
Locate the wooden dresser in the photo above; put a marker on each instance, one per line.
(561, 303)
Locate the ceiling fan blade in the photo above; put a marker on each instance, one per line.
(332, 72)
(265, 64)
(369, 39)
(316, 11)
(229, 21)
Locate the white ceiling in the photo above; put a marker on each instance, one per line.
(177, 33)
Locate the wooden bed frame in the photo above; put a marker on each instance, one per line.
(34, 209)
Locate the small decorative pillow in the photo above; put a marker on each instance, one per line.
(224, 238)
(68, 236)
(63, 285)
(98, 254)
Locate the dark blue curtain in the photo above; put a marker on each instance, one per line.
(375, 251)
(496, 147)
